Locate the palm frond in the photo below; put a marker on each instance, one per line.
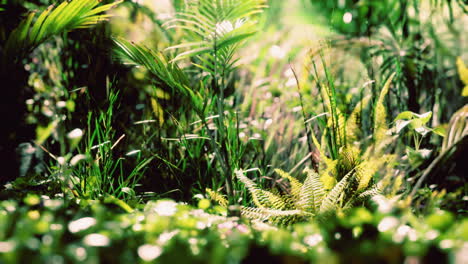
(52, 21)
(165, 74)
(214, 29)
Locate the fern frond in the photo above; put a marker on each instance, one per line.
(315, 185)
(353, 130)
(364, 196)
(261, 198)
(217, 197)
(295, 184)
(364, 173)
(372, 164)
(330, 202)
(52, 21)
(283, 217)
(326, 176)
(380, 114)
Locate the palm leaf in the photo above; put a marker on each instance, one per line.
(65, 17)
(212, 27)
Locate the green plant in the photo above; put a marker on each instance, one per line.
(17, 45)
(214, 31)
(52, 21)
(306, 200)
(454, 146)
(97, 171)
(343, 180)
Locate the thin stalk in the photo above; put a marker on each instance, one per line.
(304, 118)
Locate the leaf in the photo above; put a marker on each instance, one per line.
(425, 117)
(457, 128)
(213, 29)
(330, 202)
(380, 116)
(217, 197)
(440, 130)
(234, 40)
(261, 198)
(295, 184)
(400, 124)
(65, 17)
(462, 71)
(165, 72)
(43, 133)
(406, 115)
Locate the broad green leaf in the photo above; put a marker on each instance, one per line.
(440, 130)
(42, 133)
(406, 115)
(425, 117)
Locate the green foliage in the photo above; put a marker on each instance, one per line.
(38, 229)
(216, 28)
(305, 200)
(196, 105)
(52, 21)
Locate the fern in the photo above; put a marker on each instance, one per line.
(318, 188)
(311, 198)
(261, 198)
(380, 115)
(52, 21)
(295, 184)
(463, 72)
(345, 179)
(364, 196)
(330, 202)
(353, 130)
(217, 197)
